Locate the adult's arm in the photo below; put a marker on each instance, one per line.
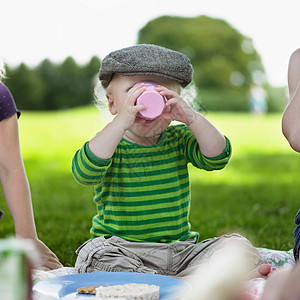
(290, 117)
(15, 186)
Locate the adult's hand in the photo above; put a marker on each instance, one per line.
(49, 260)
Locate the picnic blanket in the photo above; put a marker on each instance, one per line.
(254, 287)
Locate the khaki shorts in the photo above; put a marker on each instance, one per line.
(180, 258)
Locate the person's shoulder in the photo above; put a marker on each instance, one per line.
(294, 72)
(3, 87)
(7, 103)
(6, 96)
(295, 56)
(4, 91)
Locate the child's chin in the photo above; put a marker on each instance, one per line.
(139, 120)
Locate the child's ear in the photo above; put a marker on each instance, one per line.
(111, 103)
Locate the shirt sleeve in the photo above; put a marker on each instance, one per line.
(197, 159)
(297, 235)
(7, 103)
(87, 168)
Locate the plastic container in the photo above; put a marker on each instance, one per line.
(152, 99)
(16, 264)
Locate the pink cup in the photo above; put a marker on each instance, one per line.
(152, 99)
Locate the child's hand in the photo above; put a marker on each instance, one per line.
(127, 111)
(176, 107)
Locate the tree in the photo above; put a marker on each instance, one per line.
(26, 86)
(47, 72)
(224, 60)
(52, 86)
(89, 76)
(74, 84)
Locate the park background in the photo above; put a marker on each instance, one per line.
(255, 195)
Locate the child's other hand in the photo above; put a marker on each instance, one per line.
(176, 107)
(127, 110)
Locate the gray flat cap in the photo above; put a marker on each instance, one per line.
(146, 59)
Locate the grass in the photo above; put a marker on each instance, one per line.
(256, 194)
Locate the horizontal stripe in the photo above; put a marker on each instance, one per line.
(169, 171)
(148, 210)
(137, 221)
(168, 238)
(128, 193)
(150, 163)
(171, 181)
(178, 229)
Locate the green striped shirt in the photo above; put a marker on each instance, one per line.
(142, 193)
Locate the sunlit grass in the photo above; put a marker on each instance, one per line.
(256, 194)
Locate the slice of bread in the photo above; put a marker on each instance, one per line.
(129, 291)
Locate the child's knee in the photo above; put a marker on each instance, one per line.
(98, 255)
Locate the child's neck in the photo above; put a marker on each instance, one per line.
(141, 140)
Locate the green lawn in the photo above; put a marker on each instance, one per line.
(256, 194)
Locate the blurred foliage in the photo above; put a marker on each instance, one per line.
(234, 100)
(277, 98)
(217, 50)
(52, 86)
(225, 61)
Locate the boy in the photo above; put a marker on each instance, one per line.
(139, 170)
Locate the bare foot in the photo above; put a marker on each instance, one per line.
(262, 271)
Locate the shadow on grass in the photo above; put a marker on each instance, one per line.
(264, 214)
(256, 195)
